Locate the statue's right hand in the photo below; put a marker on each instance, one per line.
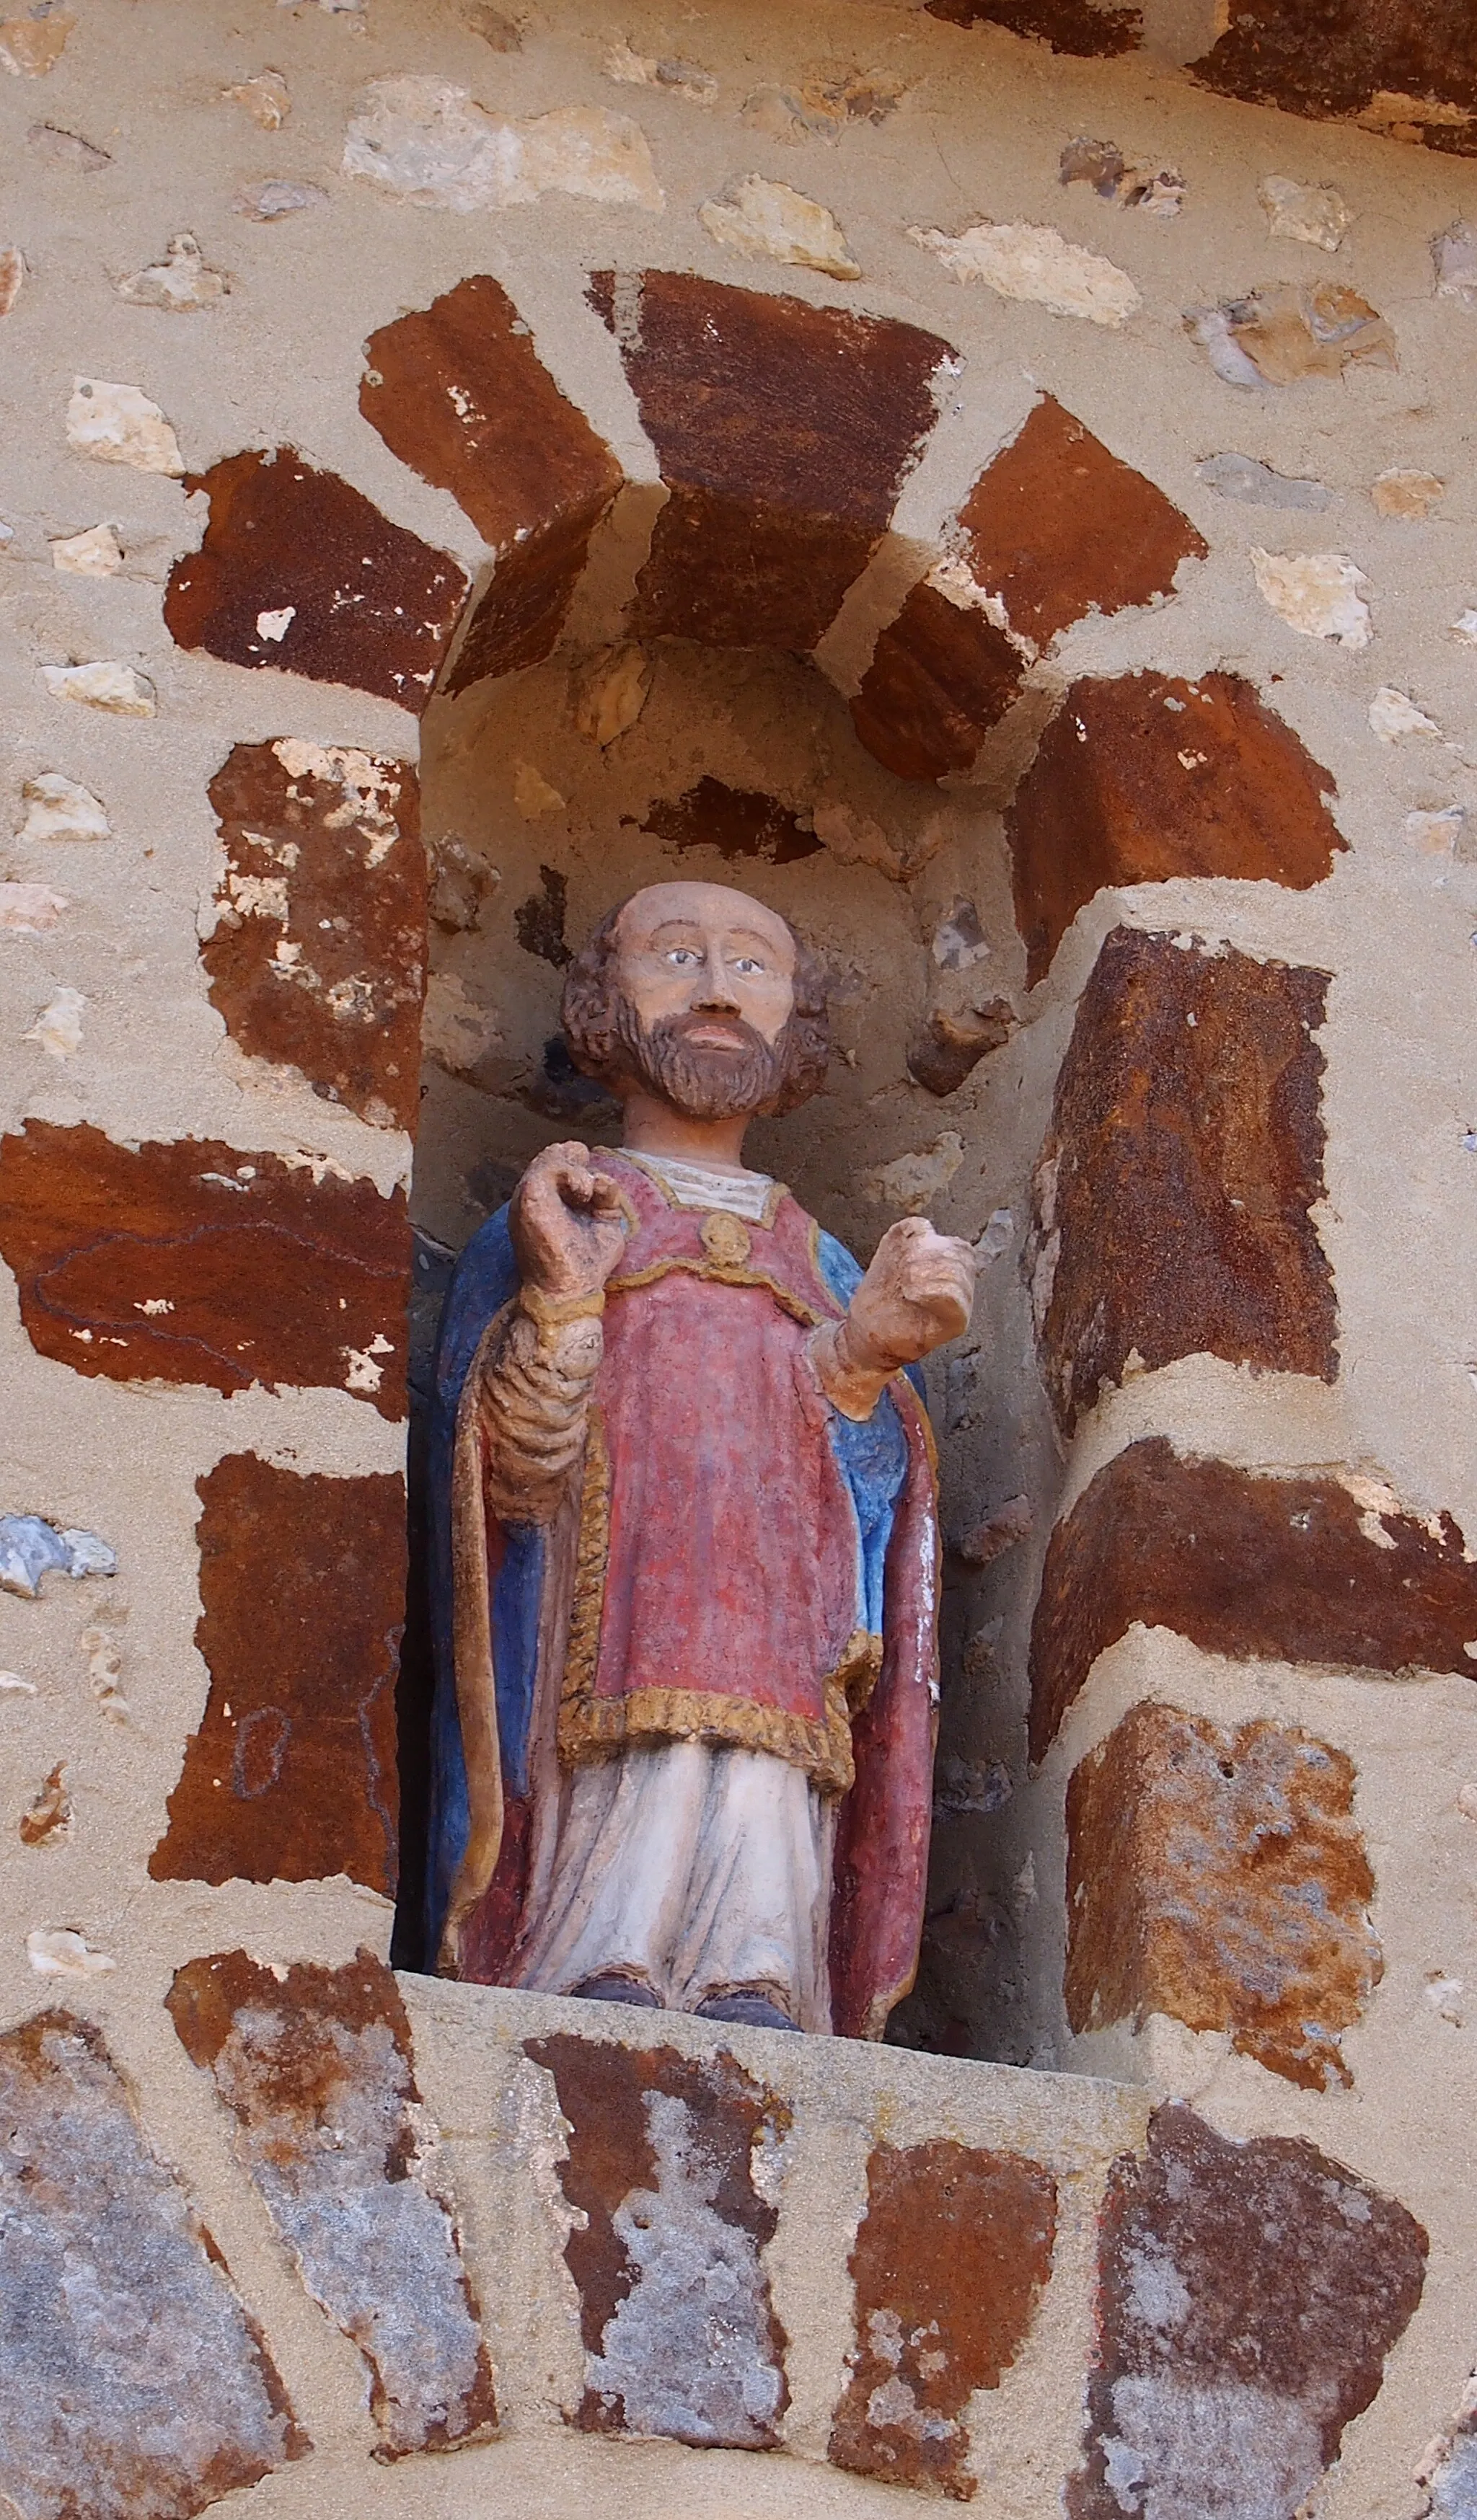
(568, 1222)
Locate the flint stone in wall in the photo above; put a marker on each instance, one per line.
(1144, 777)
(1248, 2295)
(133, 2385)
(316, 2066)
(459, 394)
(1214, 1873)
(1184, 1153)
(192, 1262)
(292, 1774)
(784, 432)
(1294, 1569)
(318, 954)
(299, 571)
(679, 2334)
(951, 2259)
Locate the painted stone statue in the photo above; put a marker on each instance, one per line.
(686, 1581)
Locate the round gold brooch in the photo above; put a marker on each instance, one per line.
(725, 1239)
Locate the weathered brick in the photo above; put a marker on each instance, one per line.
(318, 959)
(190, 1261)
(1243, 1562)
(316, 2066)
(951, 2259)
(460, 395)
(1058, 528)
(1144, 778)
(1271, 54)
(784, 432)
(1248, 2295)
(679, 2333)
(299, 570)
(1214, 1873)
(292, 1774)
(942, 675)
(1078, 26)
(1184, 1153)
(133, 2384)
(737, 822)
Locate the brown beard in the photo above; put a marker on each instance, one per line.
(697, 1079)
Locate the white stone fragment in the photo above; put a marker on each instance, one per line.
(611, 692)
(1436, 834)
(1307, 213)
(456, 1029)
(275, 200)
(265, 97)
(532, 794)
(434, 144)
(180, 285)
(58, 809)
(119, 425)
(54, 1951)
(1037, 265)
(1317, 593)
(30, 909)
(12, 1685)
(911, 1182)
(1464, 626)
(773, 219)
(630, 69)
(97, 553)
(12, 274)
(1241, 477)
(275, 625)
(102, 684)
(1393, 714)
(1454, 255)
(57, 1028)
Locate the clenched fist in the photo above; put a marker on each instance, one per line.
(567, 1224)
(918, 1293)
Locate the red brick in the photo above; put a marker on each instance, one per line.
(1078, 26)
(1144, 778)
(1248, 2295)
(460, 395)
(679, 2332)
(292, 1774)
(316, 2066)
(1058, 527)
(1184, 1153)
(1272, 52)
(326, 859)
(942, 675)
(370, 604)
(1244, 1564)
(265, 1276)
(951, 2255)
(737, 822)
(784, 432)
(1216, 1874)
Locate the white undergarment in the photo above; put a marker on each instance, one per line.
(694, 1186)
(695, 1868)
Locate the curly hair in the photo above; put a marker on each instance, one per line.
(590, 1014)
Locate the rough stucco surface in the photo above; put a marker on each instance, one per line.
(1215, 1873)
(292, 1774)
(1249, 2294)
(1298, 1568)
(679, 2331)
(950, 2258)
(316, 2066)
(133, 2386)
(1333, 599)
(1176, 1184)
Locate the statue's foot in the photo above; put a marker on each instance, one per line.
(752, 2007)
(611, 1988)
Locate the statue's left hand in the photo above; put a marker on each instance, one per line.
(568, 1222)
(918, 1293)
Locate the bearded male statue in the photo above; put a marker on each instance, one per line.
(685, 1581)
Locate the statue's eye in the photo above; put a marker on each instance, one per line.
(747, 964)
(683, 954)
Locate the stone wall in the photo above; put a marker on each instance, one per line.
(1014, 512)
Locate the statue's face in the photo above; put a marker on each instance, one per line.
(706, 980)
